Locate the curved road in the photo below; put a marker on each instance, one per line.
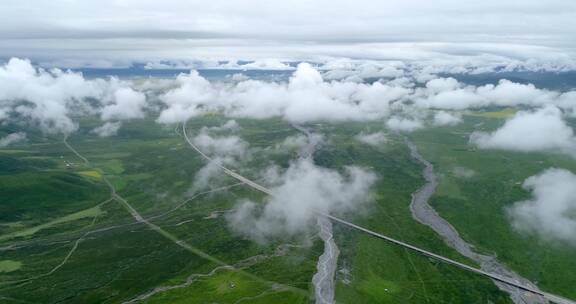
(140, 219)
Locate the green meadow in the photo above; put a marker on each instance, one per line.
(64, 239)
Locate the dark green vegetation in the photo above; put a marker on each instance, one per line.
(381, 272)
(476, 205)
(62, 240)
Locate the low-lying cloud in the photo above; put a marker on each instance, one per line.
(126, 104)
(221, 146)
(450, 94)
(311, 96)
(298, 193)
(531, 131)
(373, 139)
(107, 129)
(186, 100)
(551, 212)
(12, 138)
(305, 97)
(52, 99)
(443, 118)
(223, 150)
(293, 142)
(404, 124)
(44, 97)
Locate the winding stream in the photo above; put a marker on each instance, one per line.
(323, 279)
(423, 212)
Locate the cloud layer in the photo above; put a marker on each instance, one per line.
(224, 150)
(551, 212)
(12, 138)
(119, 31)
(443, 118)
(50, 99)
(373, 139)
(541, 130)
(306, 97)
(125, 104)
(44, 97)
(299, 192)
(107, 129)
(54, 99)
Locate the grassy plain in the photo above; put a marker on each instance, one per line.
(476, 204)
(373, 271)
(118, 258)
(46, 208)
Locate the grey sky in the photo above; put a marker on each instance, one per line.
(391, 29)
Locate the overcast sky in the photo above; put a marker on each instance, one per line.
(125, 30)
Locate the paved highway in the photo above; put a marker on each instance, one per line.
(548, 296)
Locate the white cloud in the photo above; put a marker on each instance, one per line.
(228, 64)
(229, 146)
(306, 97)
(302, 190)
(230, 125)
(239, 77)
(210, 174)
(488, 31)
(458, 99)
(265, 64)
(50, 99)
(372, 139)
(3, 114)
(184, 101)
(126, 104)
(295, 142)
(44, 97)
(541, 130)
(508, 93)
(224, 150)
(439, 85)
(358, 70)
(443, 118)
(551, 212)
(567, 101)
(107, 129)
(304, 145)
(447, 93)
(404, 124)
(12, 138)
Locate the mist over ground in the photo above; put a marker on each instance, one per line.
(403, 98)
(324, 151)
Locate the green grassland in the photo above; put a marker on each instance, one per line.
(9, 265)
(502, 113)
(47, 207)
(52, 213)
(476, 205)
(381, 272)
